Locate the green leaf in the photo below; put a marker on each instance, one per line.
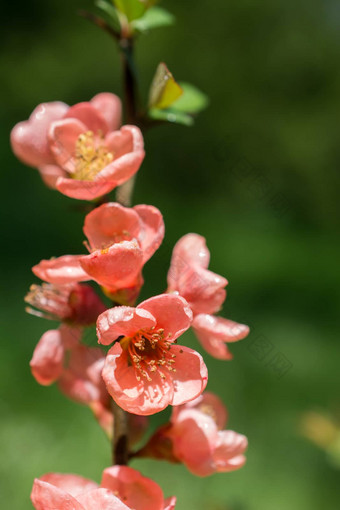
(110, 12)
(171, 115)
(192, 99)
(133, 9)
(164, 89)
(153, 18)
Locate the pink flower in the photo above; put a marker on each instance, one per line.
(197, 439)
(121, 488)
(72, 303)
(121, 240)
(60, 357)
(79, 149)
(145, 371)
(204, 291)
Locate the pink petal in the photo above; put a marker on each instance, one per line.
(101, 499)
(121, 169)
(110, 107)
(228, 455)
(116, 267)
(88, 115)
(50, 174)
(81, 380)
(213, 332)
(170, 503)
(135, 396)
(72, 484)
(61, 270)
(171, 312)
(152, 232)
(48, 357)
(70, 336)
(63, 135)
(84, 190)
(29, 138)
(194, 436)
(110, 223)
(207, 403)
(45, 496)
(191, 375)
(137, 491)
(203, 289)
(127, 139)
(190, 250)
(122, 321)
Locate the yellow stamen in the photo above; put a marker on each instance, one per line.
(91, 156)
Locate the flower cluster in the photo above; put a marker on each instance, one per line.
(81, 152)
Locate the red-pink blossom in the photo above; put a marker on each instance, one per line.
(204, 291)
(195, 437)
(80, 150)
(120, 240)
(145, 370)
(121, 488)
(72, 303)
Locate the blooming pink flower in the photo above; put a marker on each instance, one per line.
(122, 488)
(204, 291)
(197, 439)
(145, 371)
(79, 149)
(72, 303)
(120, 240)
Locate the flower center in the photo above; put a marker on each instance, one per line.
(149, 352)
(51, 300)
(91, 156)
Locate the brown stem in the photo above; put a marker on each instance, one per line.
(124, 192)
(99, 22)
(120, 450)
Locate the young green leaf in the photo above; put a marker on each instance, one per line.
(133, 9)
(171, 115)
(164, 89)
(153, 18)
(110, 13)
(192, 100)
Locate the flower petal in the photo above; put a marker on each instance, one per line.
(152, 232)
(203, 289)
(127, 139)
(72, 484)
(135, 490)
(88, 115)
(110, 223)
(101, 499)
(213, 332)
(63, 135)
(50, 174)
(116, 267)
(194, 436)
(228, 454)
(122, 321)
(207, 403)
(191, 375)
(110, 107)
(189, 250)
(29, 138)
(48, 357)
(171, 312)
(45, 496)
(84, 190)
(61, 270)
(170, 503)
(81, 380)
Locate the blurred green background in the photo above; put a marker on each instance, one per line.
(258, 176)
